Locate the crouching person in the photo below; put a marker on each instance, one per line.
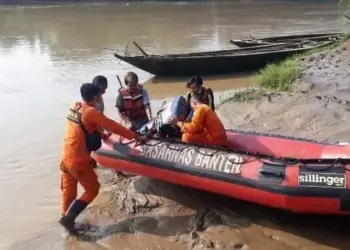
(205, 127)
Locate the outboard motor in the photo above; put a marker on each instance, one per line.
(161, 125)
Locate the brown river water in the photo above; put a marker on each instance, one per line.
(46, 52)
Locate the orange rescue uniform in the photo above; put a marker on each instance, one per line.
(205, 128)
(76, 163)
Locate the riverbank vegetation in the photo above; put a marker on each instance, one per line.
(277, 77)
(241, 96)
(280, 76)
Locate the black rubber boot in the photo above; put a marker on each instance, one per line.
(68, 220)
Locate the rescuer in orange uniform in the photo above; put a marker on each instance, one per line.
(133, 103)
(83, 136)
(205, 127)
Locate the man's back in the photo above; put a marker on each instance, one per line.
(74, 148)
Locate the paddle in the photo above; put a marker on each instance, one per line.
(120, 82)
(142, 51)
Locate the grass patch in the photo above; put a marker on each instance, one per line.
(347, 37)
(242, 96)
(279, 76)
(276, 76)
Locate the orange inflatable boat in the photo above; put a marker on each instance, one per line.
(294, 174)
(287, 173)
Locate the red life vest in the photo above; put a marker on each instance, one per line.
(133, 106)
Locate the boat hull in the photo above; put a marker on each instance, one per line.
(285, 39)
(211, 63)
(300, 188)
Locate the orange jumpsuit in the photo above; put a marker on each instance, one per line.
(205, 128)
(76, 163)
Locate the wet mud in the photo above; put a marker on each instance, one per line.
(134, 212)
(158, 215)
(317, 108)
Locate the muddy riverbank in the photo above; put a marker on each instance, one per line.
(46, 52)
(139, 213)
(317, 107)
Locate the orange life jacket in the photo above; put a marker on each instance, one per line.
(205, 97)
(133, 106)
(93, 140)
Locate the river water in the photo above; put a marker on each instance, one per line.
(46, 52)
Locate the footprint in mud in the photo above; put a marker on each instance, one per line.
(206, 218)
(86, 227)
(157, 225)
(164, 225)
(154, 207)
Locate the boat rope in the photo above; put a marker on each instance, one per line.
(251, 156)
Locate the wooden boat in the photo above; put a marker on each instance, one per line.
(286, 39)
(216, 62)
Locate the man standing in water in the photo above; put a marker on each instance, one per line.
(133, 103)
(83, 136)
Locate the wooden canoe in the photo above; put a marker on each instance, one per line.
(286, 39)
(215, 62)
